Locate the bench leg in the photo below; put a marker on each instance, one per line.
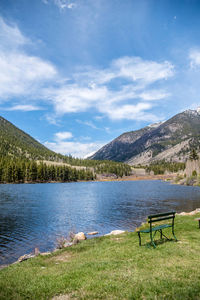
(139, 239)
(174, 233)
(152, 242)
(161, 234)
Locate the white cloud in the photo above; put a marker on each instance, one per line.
(194, 57)
(11, 36)
(73, 98)
(136, 69)
(60, 136)
(21, 74)
(133, 68)
(75, 149)
(87, 123)
(24, 108)
(118, 91)
(52, 119)
(130, 112)
(62, 4)
(153, 95)
(71, 5)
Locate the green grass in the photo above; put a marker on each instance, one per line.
(112, 267)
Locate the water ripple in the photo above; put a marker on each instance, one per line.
(36, 215)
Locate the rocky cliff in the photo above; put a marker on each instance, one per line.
(171, 140)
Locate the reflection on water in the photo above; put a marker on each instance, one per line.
(34, 215)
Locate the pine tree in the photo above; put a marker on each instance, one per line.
(193, 155)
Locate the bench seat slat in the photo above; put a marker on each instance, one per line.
(162, 215)
(160, 219)
(156, 228)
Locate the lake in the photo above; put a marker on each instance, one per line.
(35, 215)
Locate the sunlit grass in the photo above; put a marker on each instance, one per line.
(113, 267)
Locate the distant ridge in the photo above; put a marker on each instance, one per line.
(171, 140)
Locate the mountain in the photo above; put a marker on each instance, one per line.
(21, 156)
(171, 140)
(16, 143)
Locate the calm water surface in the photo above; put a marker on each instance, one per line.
(35, 215)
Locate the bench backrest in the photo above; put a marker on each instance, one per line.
(161, 217)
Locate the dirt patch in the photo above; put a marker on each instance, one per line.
(62, 297)
(117, 239)
(63, 257)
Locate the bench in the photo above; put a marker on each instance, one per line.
(198, 219)
(153, 229)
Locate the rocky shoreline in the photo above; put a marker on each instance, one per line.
(61, 244)
(78, 237)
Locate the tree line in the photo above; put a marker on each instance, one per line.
(20, 171)
(109, 167)
(16, 170)
(162, 166)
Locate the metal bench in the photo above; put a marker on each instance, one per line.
(153, 229)
(198, 219)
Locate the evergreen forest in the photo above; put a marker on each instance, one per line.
(24, 171)
(160, 167)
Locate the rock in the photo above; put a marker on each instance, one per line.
(36, 251)
(67, 244)
(191, 213)
(25, 257)
(75, 241)
(92, 233)
(182, 213)
(45, 253)
(80, 236)
(115, 232)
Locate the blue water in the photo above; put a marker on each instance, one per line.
(35, 215)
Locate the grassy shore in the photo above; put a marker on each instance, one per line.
(112, 267)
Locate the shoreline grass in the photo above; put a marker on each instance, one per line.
(112, 267)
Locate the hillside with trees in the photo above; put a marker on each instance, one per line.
(23, 159)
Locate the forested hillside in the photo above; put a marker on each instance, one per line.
(23, 159)
(19, 171)
(18, 144)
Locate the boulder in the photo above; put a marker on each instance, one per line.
(36, 251)
(67, 244)
(80, 236)
(92, 233)
(191, 213)
(25, 257)
(45, 253)
(115, 232)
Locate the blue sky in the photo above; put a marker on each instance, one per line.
(75, 74)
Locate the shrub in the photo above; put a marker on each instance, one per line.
(194, 173)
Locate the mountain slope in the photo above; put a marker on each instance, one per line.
(170, 140)
(16, 146)
(121, 147)
(16, 143)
